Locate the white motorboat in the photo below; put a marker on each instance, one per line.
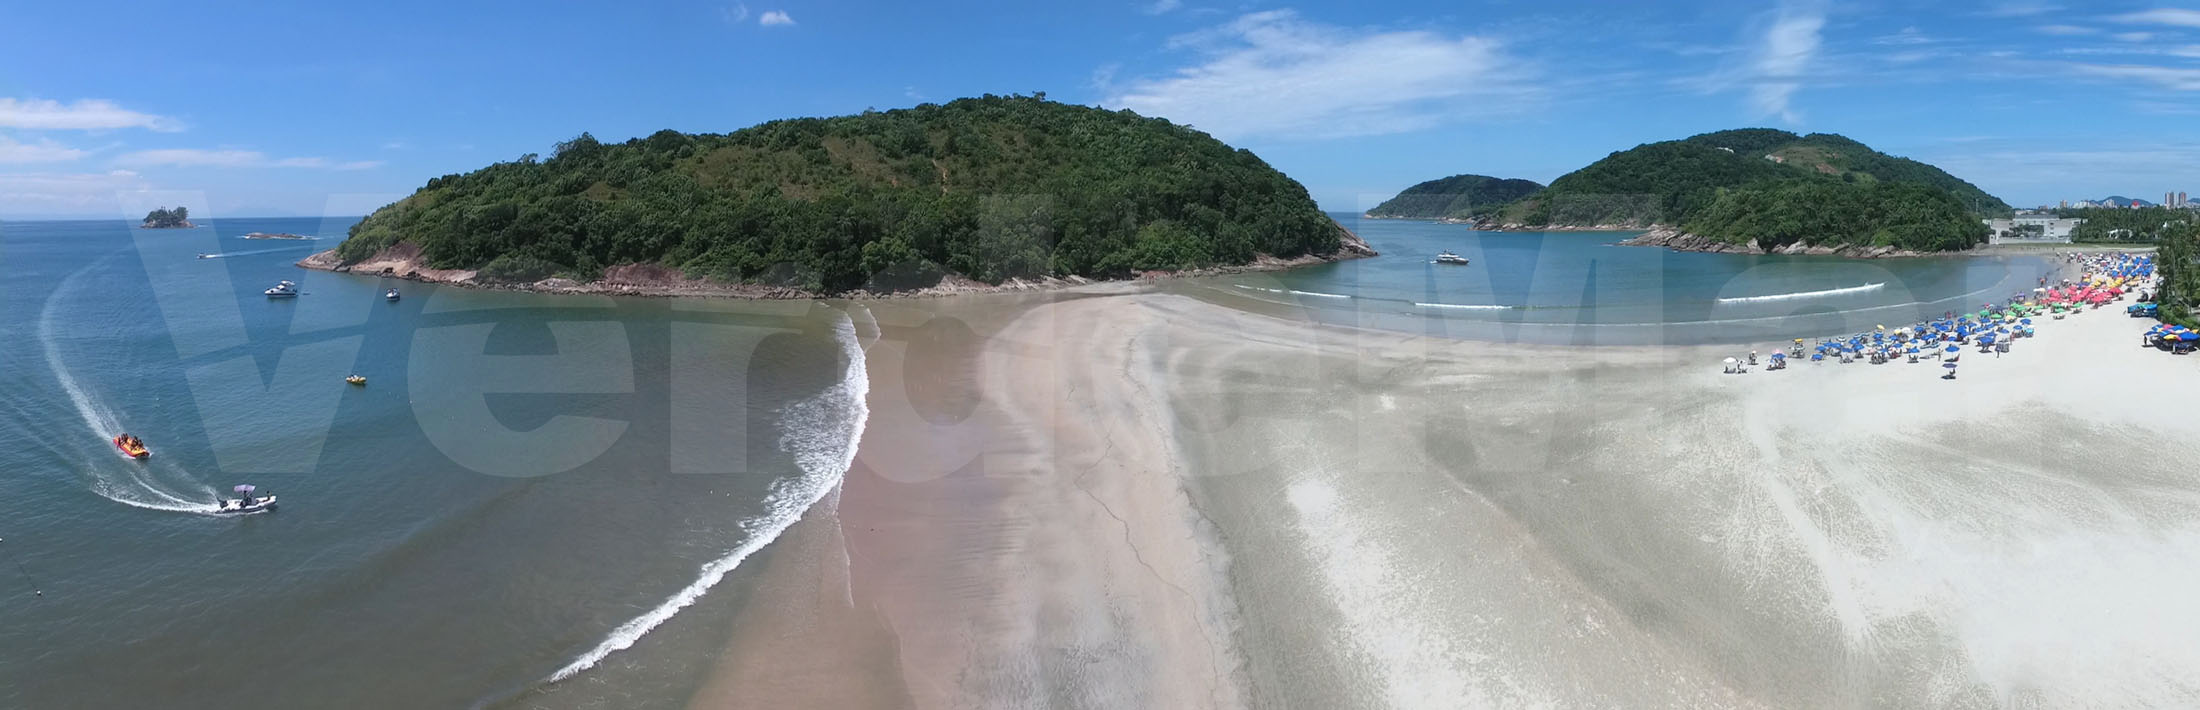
(247, 504)
(284, 289)
(1450, 258)
(392, 295)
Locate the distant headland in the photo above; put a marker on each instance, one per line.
(976, 194)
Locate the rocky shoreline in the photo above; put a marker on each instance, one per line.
(1674, 239)
(656, 281)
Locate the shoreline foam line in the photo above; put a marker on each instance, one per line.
(1804, 294)
(1463, 306)
(1315, 294)
(822, 470)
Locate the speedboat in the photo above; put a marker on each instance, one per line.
(131, 446)
(360, 380)
(1450, 258)
(206, 256)
(283, 289)
(392, 295)
(246, 503)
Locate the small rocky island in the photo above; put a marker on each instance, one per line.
(163, 218)
(278, 235)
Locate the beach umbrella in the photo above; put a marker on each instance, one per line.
(2189, 335)
(1955, 348)
(1948, 365)
(2026, 321)
(1779, 356)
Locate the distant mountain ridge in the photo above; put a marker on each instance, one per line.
(1458, 196)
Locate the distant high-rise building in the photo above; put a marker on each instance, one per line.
(2181, 199)
(2066, 204)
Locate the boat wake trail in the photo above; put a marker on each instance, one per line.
(129, 484)
(822, 433)
(249, 252)
(1804, 294)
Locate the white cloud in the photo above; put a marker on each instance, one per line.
(229, 158)
(80, 115)
(2135, 36)
(2066, 30)
(1159, 7)
(44, 151)
(2173, 78)
(1790, 43)
(2164, 16)
(65, 193)
(736, 14)
(1274, 74)
(774, 18)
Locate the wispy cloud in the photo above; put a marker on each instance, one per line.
(2173, 78)
(2066, 30)
(65, 192)
(1908, 36)
(2135, 36)
(1159, 7)
(1782, 56)
(736, 13)
(79, 115)
(2164, 16)
(1275, 74)
(774, 18)
(229, 158)
(44, 151)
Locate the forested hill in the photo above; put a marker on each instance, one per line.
(1769, 186)
(989, 188)
(1458, 196)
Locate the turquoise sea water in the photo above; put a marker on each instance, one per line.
(1580, 287)
(546, 500)
(516, 494)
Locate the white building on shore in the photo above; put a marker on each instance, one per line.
(2033, 229)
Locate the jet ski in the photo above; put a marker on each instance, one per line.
(247, 504)
(131, 446)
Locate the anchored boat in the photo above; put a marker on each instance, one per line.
(1450, 258)
(283, 289)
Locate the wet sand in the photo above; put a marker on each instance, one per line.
(1145, 500)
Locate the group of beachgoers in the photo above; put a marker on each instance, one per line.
(2102, 279)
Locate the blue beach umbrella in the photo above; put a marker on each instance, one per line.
(1955, 348)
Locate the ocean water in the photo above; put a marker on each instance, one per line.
(535, 501)
(1581, 287)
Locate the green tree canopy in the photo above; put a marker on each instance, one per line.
(991, 188)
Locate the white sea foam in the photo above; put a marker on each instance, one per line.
(131, 484)
(1463, 306)
(822, 433)
(1294, 292)
(1804, 294)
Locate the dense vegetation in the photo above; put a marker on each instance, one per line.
(2145, 224)
(167, 218)
(2179, 264)
(1458, 196)
(1771, 186)
(1826, 212)
(990, 188)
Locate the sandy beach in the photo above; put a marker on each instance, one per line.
(1147, 500)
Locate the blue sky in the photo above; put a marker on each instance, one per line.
(109, 108)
